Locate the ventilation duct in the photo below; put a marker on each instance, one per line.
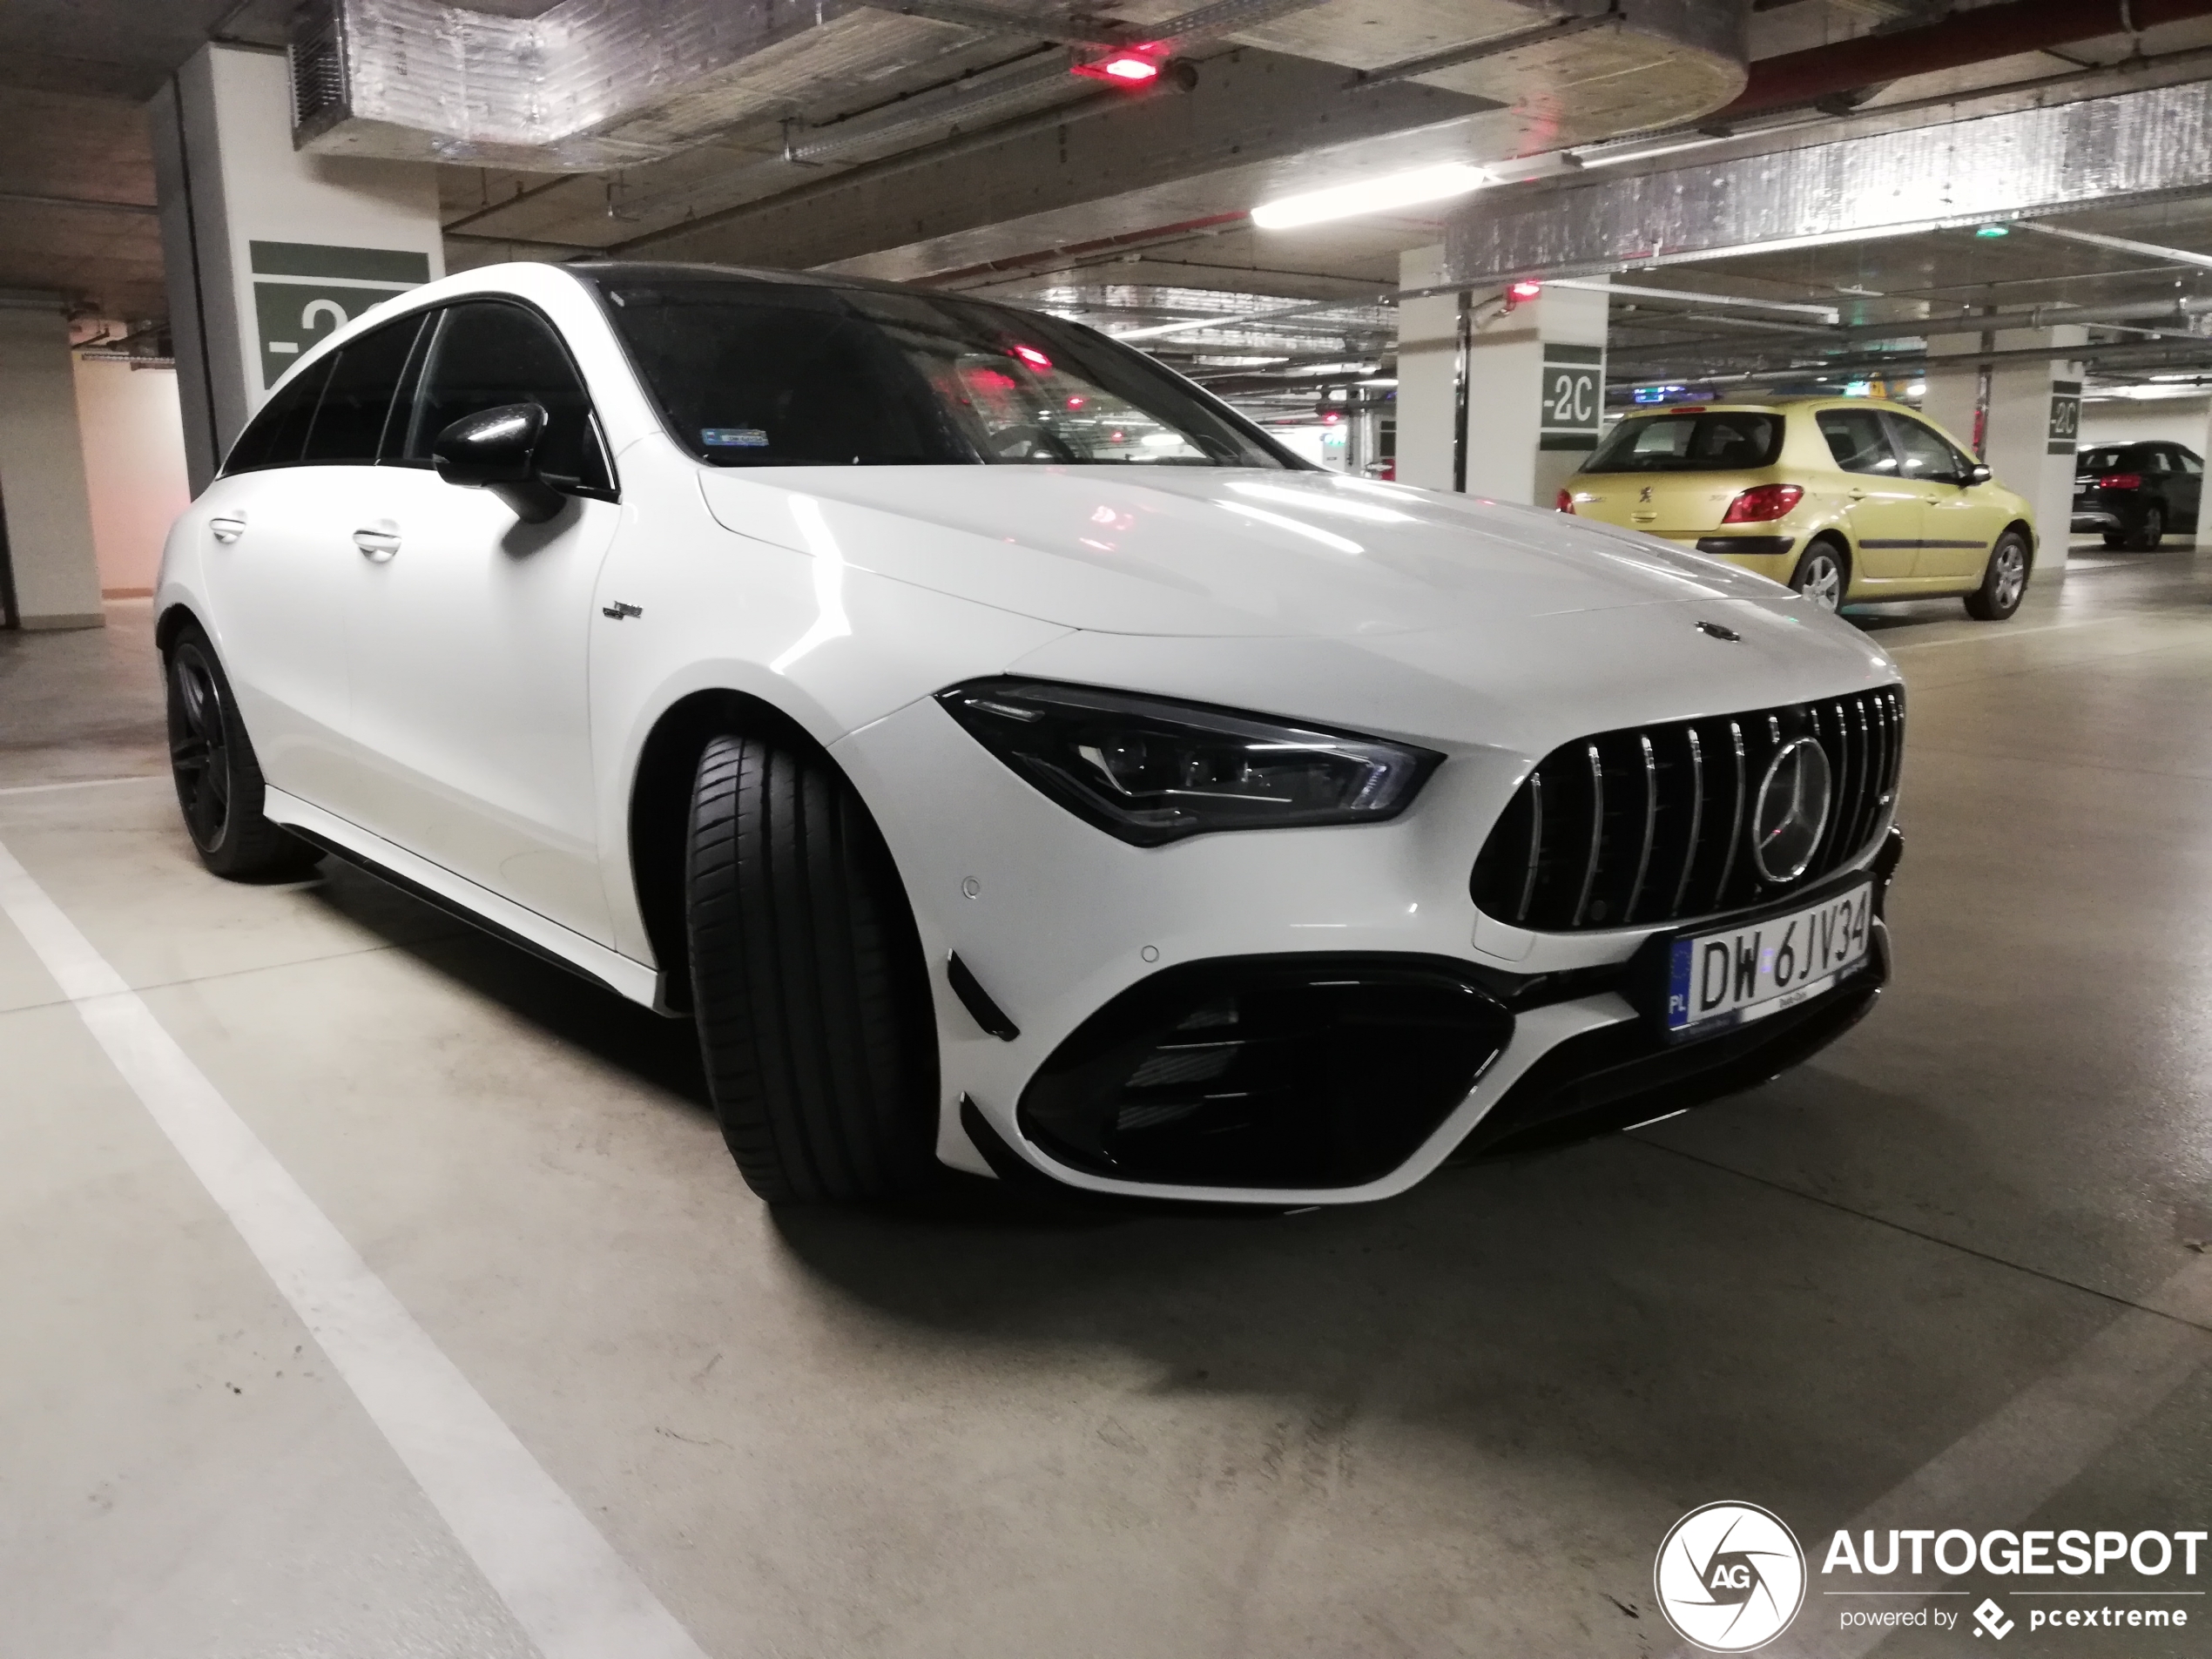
(593, 84)
(2107, 153)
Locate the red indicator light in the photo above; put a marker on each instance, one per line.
(1076, 402)
(1137, 66)
(1524, 290)
(1566, 502)
(1032, 357)
(2120, 480)
(1764, 503)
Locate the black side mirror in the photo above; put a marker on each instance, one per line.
(497, 449)
(1977, 473)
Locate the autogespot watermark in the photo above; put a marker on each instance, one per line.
(1730, 1578)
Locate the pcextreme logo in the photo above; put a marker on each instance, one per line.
(1729, 1577)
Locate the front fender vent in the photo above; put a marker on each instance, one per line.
(1651, 824)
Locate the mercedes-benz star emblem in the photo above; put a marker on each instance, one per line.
(1792, 811)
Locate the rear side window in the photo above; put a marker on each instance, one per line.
(357, 399)
(2188, 462)
(2155, 460)
(1713, 440)
(486, 353)
(278, 435)
(2104, 461)
(1856, 439)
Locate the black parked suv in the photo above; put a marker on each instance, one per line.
(2133, 493)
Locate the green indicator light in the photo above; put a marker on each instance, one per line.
(1994, 230)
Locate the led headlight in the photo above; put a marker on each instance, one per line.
(1151, 771)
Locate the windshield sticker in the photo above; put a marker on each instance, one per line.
(734, 437)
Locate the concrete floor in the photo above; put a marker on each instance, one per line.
(1952, 1273)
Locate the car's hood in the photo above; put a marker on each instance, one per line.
(1206, 551)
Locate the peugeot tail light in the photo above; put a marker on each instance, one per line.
(1764, 503)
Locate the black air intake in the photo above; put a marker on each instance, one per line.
(1266, 1072)
(1652, 824)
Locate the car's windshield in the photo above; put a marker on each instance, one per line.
(752, 373)
(1713, 440)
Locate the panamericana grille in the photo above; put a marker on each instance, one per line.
(1652, 824)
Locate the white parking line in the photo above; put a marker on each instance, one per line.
(2015, 1461)
(82, 783)
(560, 1578)
(1988, 636)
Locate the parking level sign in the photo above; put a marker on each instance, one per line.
(303, 290)
(1573, 397)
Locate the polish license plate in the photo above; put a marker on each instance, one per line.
(1717, 979)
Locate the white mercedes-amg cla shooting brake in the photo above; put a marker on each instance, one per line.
(1007, 755)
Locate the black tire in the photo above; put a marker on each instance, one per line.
(2148, 530)
(2115, 538)
(219, 779)
(1823, 575)
(2004, 579)
(812, 998)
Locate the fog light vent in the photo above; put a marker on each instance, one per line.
(1268, 1071)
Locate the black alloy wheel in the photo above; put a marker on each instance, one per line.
(2149, 530)
(218, 778)
(814, 1003)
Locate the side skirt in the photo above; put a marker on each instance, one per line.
(465, 902)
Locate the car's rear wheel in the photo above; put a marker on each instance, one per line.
(812, 998)
(218, 777)
(2149, 530)
(1823, 575)
(2004, 580)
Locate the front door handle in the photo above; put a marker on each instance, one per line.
(380, 540)
(227, 527)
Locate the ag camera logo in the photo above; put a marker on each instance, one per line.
(1729, 1577)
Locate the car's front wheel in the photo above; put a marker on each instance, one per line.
(218, 776)
(808, 975)
(1822, 575)
(2004, 580)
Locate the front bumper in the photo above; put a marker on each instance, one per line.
(1391, 1036)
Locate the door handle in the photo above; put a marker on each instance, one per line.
(227, 527)
(379, 541)
(1857, 494)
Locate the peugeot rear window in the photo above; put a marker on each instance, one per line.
(1714, 440)
(752, 373)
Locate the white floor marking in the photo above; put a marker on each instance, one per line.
(82, 783)
(559, 1577)
(2011, 1464)
(1992, 635)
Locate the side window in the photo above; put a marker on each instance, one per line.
(1924, 452)
(2188, 462)
(1856, 439)
(276, 437)
(2155, 460)
(349, 425)
(487, 354)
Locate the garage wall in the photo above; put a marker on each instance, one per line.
(2173, 420)
(134, 468)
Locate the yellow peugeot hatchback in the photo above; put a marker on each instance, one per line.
(1846, 500)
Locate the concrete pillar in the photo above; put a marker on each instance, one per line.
(1534, 398)
(268, 249)
(47, 515)
(2033, 418)
(1428, 357)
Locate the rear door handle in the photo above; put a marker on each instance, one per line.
(227, 527)
(379, 541)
